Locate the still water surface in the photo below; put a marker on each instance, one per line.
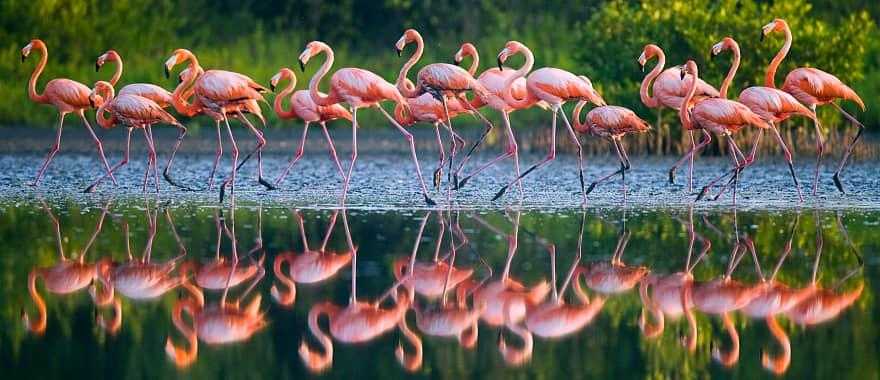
(145, 290)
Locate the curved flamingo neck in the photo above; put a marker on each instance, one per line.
(779, 363)
(183, 90)
(519, 73)
(117, 74)
(108, 94)
(32, 83)
(406, 88)
(39, 325)
(317, 97)
(314, 359)
(576, 115)
(279, 98)
(770, 77)
(402, 117)
(471, 50)
(283, 298)
(650, 100)
(683, 113)
(734, 47)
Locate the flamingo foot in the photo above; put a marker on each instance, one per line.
(174, 183)
(460, 184)
(500, 193)
(91, 188)
(837, 183)
(438, 176)
(429, 201)
(702, 193)
(672, 176)
(592, 187)
(266, 184)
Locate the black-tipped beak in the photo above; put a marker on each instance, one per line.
(500, 67)
(683, 74)
(762, 36)
(23, 57)
(456, 62)
(711, 55)
(399, 51)
(167, 72)
(641, 66)
(271, 87)
(97, 67)
(302, 66)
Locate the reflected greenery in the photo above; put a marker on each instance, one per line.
(610, 345)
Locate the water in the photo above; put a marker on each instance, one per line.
(609, 344)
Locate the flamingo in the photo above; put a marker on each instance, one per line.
(613, 277)
(672, 295)
(134, 111)
(774, 106)
(66, 277)
(434, 278)
(358, 88)
(302, 106)
(355, 323)
(67, 96)
(219, 93)
(554, 86)
(669, 91)
(814, 88)
(495, 81)
(308, 267)
(720, 116)
(613, 123)
(161, 96)
(218, 324)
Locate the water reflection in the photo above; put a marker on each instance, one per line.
(529, 281)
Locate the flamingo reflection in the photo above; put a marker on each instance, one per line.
(614, 277)
(432, 279)
(308, 267)
(66, 277)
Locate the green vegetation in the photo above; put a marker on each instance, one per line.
(600, 38)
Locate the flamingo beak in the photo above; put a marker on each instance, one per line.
(398, 50)
(683, 74)
(97, 67)
(92, 102)
(641, 66)
(271, 86)
(23, 57)
(762, 36)
(167, 72)
(302, 65)
(500, 67)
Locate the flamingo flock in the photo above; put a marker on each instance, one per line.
(218, 299)
(438, 95)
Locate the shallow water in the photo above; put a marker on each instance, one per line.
(836, 248)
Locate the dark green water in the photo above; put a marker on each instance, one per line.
(841, 247)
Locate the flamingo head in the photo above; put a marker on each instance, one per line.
(282, 74)
(312, 49)
(648, 52)
(593, 95)
(110, 55)
(466, 49)
(101, 92)
(176, 58)
(26, 50)
(510, 48)
(408, 36)
(690, 67)
(777, 25)
(724, 44)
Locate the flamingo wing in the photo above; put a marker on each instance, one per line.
(445, 76)
(772, 104)
(69, 92)
(227, 86)
(141, 109)
(555, 85)
(615, 120)
(161, 96)
(722, 114)
(670, 89)
(814, 86)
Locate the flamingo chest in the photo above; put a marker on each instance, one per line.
(69, 278)
(446, 322)
(362, 327)
(217, 276)
(221, 327)
(557, 320)
(313, 268)
(142, 282)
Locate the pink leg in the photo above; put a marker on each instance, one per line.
(98, 144)
(261, 142)
(624, 166)
(707, 138)
(296, 157)
(354, 154)
(217, 157)
(166, 173)
(732, 153)
(489, 127)
(691, 163)
(230, 181)
(550, 157)
(746, 162)
(438, 172)
(120, 164)
(155, 158)
(820, 150)
(512, 150)
(332, 148)
(149, 159)
(52, 151)
(849, 147)
(412, 148)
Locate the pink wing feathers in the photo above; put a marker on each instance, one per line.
(69, 92)
(723, 116)
(219, 85)
(609, 121)
(814, 86)
(773, 104)
(161, 96)
(670, 89)
(140, 109)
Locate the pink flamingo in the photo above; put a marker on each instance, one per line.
(303, 107)
(612, 123)
(66, 277)
(219, 93)
(67, 96)
(161, 96)
(720, 116)
(134, 111)
(814, 88)
(435, 278)
(615, 276)
(495, 80)
(554, 86)
(358, 88)
(308, 267)
(774, 106)
(669, 91)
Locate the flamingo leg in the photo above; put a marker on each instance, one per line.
(820, 149)
(52, 151)
(155, 158)
(217, 156)
(150, 157)
(261, 142)
(849, 148)
(735, 171)
(296, 156)
(691, 163)
(489, 127)
(439, 170)
(354, 154)
(332, 148)
(98, 144)
(750, 159)
(624, 166)
(118, 165)
(704, 141)
(550, 157)
(457, 143)
(231, 179)
(512, 150)
(166, 173)
(412, 148)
